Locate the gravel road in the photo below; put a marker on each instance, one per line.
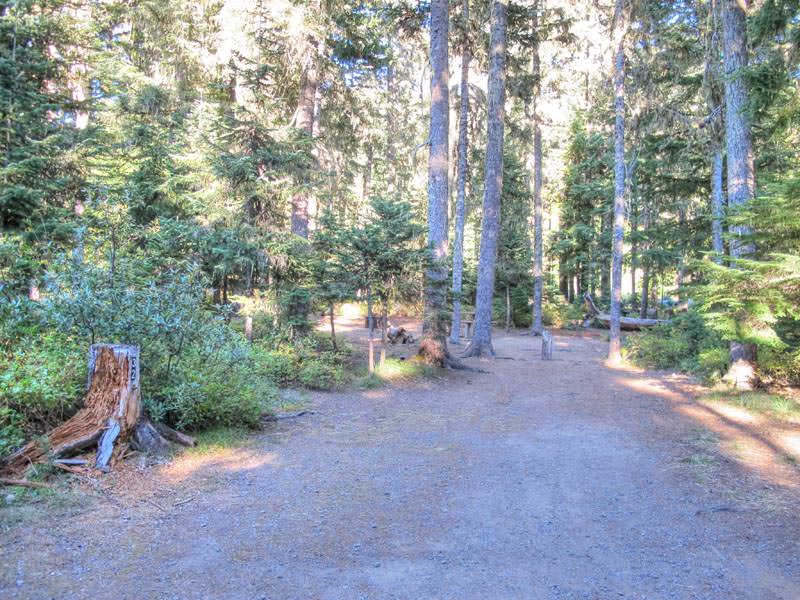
(535, 480)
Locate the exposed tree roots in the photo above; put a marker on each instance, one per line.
(479, 349)
(434, 352)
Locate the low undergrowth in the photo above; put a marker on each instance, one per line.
(777, 406)
(686, 343)
(394, 370)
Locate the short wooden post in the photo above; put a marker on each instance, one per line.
(547, 345)
(248, 329)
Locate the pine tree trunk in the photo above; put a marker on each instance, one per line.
(384, 323)
(614, 336)
(333, 328)
(481, 343)
(717, 206)
(643, 305)
(433, 347)
(508, 309)
(538, 234)
(391, 153)
(370, 332)
(634, 257)
(741, 168)
(461, 181)
(304, 120)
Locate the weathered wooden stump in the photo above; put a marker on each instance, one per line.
(112, 416)
(547, 345)
(248, 329)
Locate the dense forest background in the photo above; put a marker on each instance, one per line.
(168, 167)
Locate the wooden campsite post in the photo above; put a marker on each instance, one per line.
(547, 345)
(248, 328)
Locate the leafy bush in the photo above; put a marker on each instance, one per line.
(779, 366)
(560, 313)
(322, 374)
(661, 347)
(210, 391)
(685, 343)
(43, 378)
(280, 365)
(11, 433)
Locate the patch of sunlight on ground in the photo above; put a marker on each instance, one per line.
(735, 413)
(223, 449)
(740, 423)
(394, 371)
(776, 406)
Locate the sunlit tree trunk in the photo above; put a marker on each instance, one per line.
(538, 234)
(461, 179)
(481, 343)
(433, 347)
(741, 168)
(615, 339)
(304, 120)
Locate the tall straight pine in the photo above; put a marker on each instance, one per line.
(614, 337)
(433, 347)
(741, 165)
(461, 179)
(481, 343)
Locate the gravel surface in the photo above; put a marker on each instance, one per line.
(552, 480)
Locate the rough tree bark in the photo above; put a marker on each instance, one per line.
(711, 81)
(741, 168)
(717, 205)
(538, 234)
(481, 342)
(112, 417)
(304, 120)
(433, 347)
(461, 179)
(614, 336)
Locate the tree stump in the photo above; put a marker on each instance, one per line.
(112, 416)
(547, 345)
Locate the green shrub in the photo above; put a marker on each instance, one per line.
(686, 343)
(11, 434)
(207, 392)
(711, 363)
(560, 313)
(42, 379)
(322, 374)
(280, 365)
(661, 347)
(778, 366)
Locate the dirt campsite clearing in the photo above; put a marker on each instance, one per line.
(560, 479)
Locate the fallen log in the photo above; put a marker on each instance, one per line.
(22, 483)
(111, 417)
(625, 323)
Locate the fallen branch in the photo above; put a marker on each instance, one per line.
(284, 416)
(175, 436)
(22, 483)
